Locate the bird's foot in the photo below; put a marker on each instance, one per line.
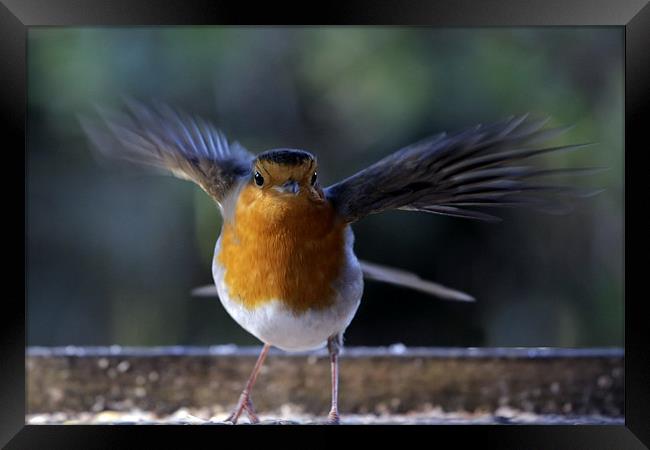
(245, 404)
(333, 418)
(250, 411)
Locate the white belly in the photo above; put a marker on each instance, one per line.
(275, 324)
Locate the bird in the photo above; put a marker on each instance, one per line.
(284, 265)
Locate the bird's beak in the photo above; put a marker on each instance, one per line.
(290, 187)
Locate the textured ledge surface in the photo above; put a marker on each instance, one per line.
(422, 385)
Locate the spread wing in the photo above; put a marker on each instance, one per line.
(163, 138)
(453, 174)
(390, 275)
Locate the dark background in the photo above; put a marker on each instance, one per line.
(112, 254)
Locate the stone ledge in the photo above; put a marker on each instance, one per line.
(391, 380)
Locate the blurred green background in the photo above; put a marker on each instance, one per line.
(113, 252)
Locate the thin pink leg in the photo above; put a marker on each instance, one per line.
(333, 345)
(245, 402)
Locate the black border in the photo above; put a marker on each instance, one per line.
(634, 15)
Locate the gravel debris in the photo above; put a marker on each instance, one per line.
(292, 415)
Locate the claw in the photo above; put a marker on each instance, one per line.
(245, 404)
(233, 417)
(250, 410)
(241, 405)
(333, 418)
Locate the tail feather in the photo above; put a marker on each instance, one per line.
(209, 290)
(384, 274)
(410, 280)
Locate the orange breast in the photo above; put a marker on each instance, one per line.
(287, 248)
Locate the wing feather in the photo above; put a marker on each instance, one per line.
(472, 168)
(169, 140)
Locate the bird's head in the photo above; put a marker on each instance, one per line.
(287, 173)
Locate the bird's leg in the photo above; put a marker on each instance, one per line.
(245, 402)
(334, 345)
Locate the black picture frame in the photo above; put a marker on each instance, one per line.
(16, 16)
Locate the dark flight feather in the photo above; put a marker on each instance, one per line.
(163, 138)
(447, 174)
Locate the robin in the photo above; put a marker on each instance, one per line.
(284, 266)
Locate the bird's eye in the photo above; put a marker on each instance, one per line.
(313, 178)
(259, 179)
